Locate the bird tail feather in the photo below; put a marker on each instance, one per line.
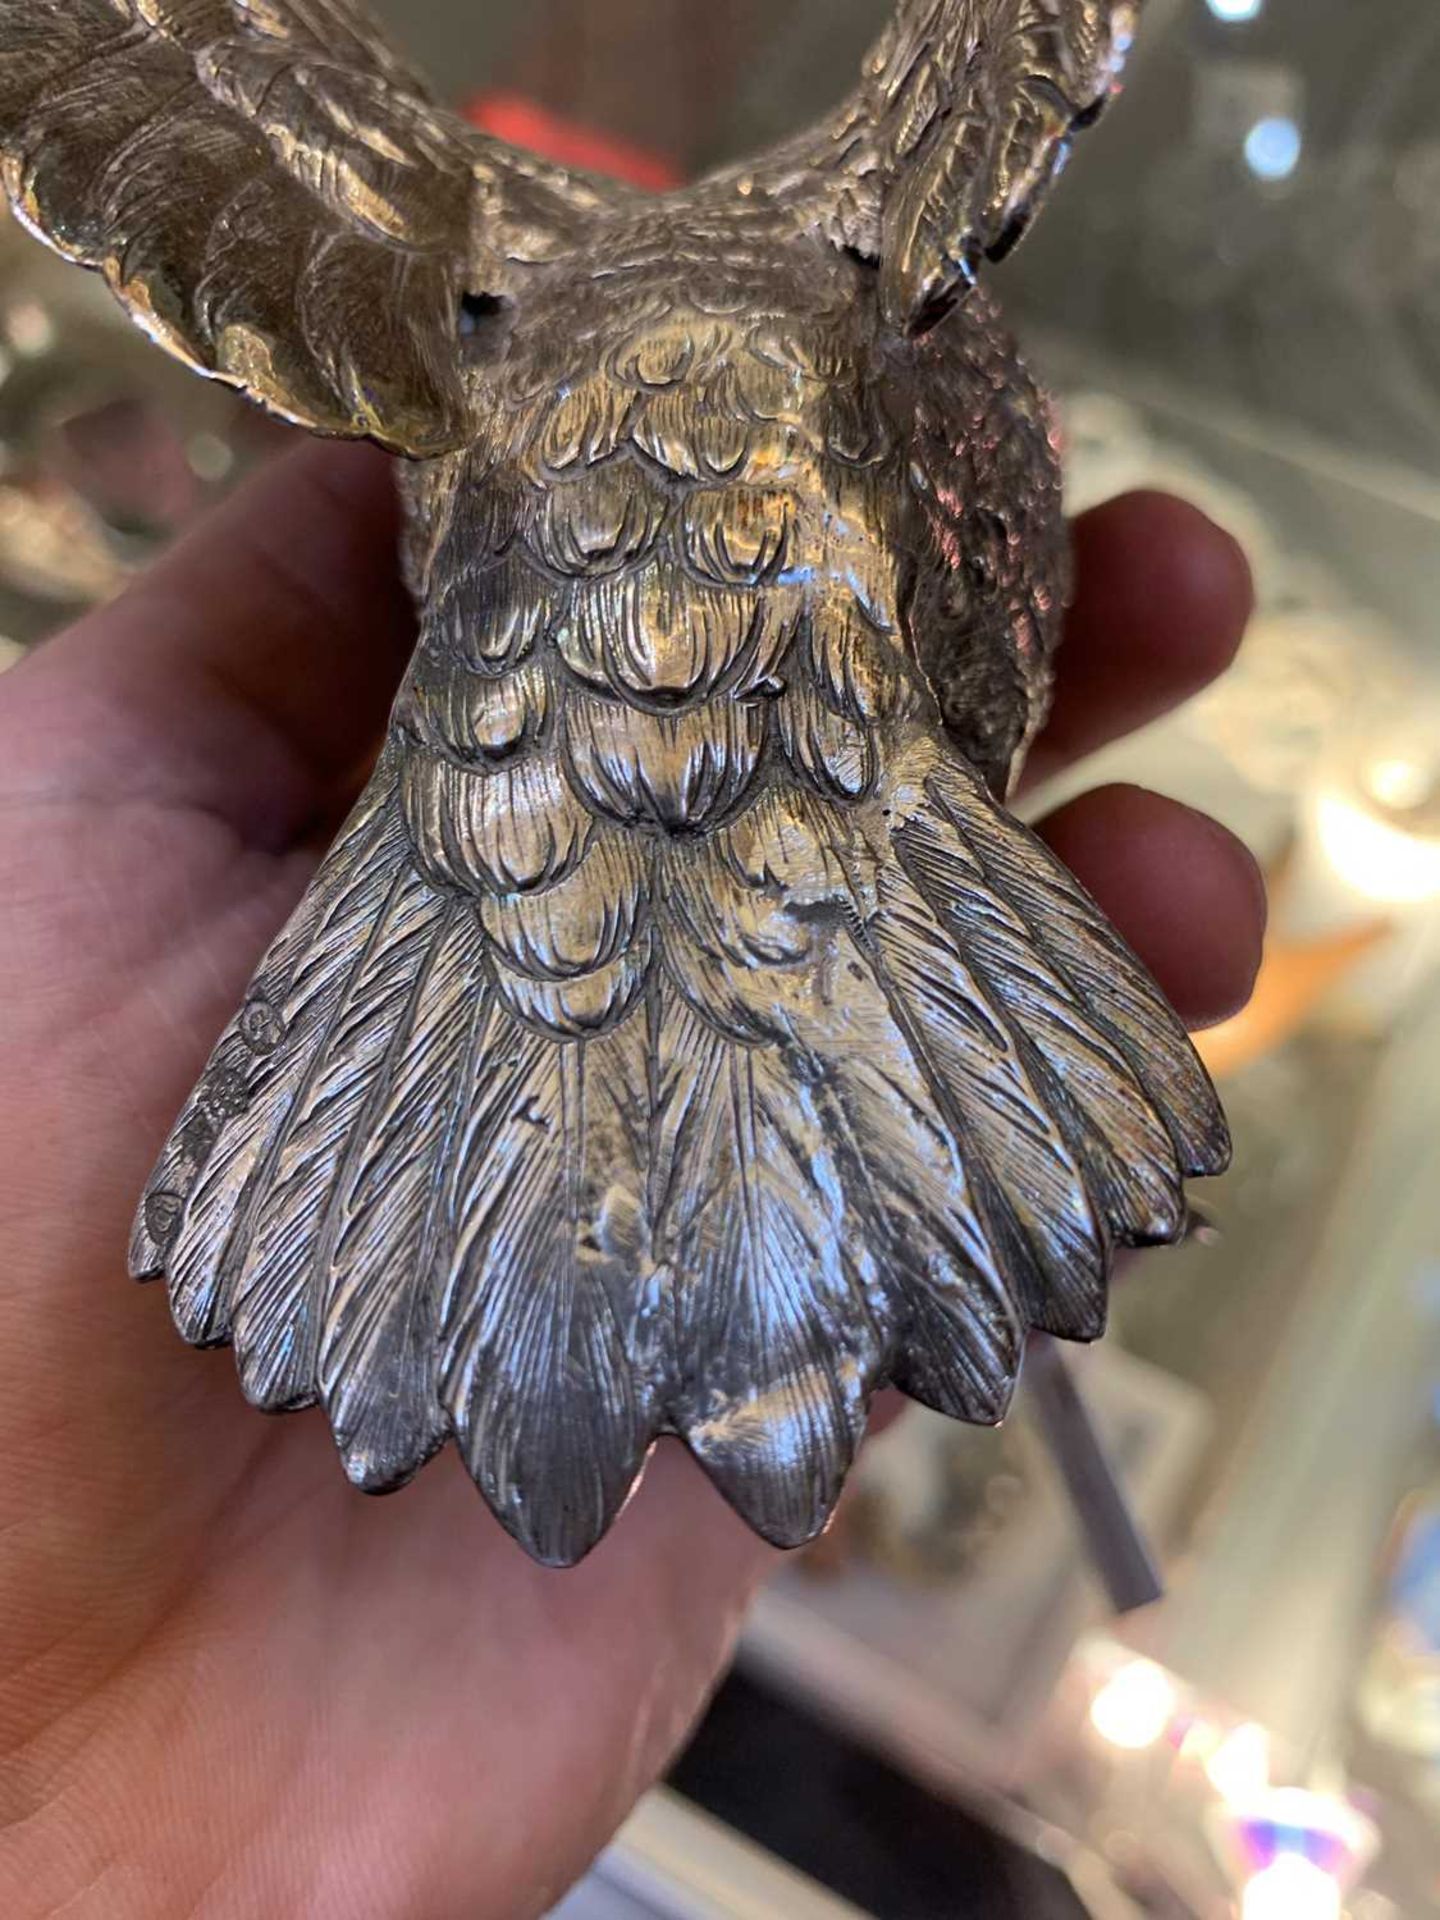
(883, 1091)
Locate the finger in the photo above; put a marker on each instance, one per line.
(1186, 894)
(294, 603)
(1162, 600)
(252, 668)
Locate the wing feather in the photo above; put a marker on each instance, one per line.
(1024, 1174)
(274, 197)
(776, 1348)
(246, 1093)
(965, 114)
(378, 1356)
(547, 1334)
(1130, 1159)
(282, 1257)
(1121, 999)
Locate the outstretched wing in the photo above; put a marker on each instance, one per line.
(964, 116)
(273, 196)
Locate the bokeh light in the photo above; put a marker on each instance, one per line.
(1292, 1888)
(1135, 1706)
(1273, 147)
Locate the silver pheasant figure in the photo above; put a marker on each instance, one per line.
(681, 1038)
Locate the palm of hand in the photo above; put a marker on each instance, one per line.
(192, 1593)
(229, 1683)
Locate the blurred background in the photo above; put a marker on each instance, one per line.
(1237, 295)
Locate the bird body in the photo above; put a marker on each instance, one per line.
(680, 1036)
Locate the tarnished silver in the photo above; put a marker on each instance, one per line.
(680, 1037)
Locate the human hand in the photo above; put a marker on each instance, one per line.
(229, 1684)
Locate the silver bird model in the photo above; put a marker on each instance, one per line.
(680, 1037)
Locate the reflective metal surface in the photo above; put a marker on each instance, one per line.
(1271, 1391)
(680, 1037)
(1269, 1395)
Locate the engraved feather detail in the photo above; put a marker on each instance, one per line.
(680, 1038)
(716, 1048)
(965, 115)
(333, 216)
(392, 1228)
(317, 250)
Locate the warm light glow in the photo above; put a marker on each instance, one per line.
(1273, 147)
(209, 458)
(30, 328)
(1377, 859)
(1239, 1768)
(1134, 1707)
(1200, 1740)
(1291, 1888)
(1398, 783)
(1236, 9)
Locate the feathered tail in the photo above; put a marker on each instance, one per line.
(846, 1095)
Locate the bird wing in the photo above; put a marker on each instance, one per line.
(273, 196)
(964, 115)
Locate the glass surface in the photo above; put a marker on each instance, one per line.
(1237, 292)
